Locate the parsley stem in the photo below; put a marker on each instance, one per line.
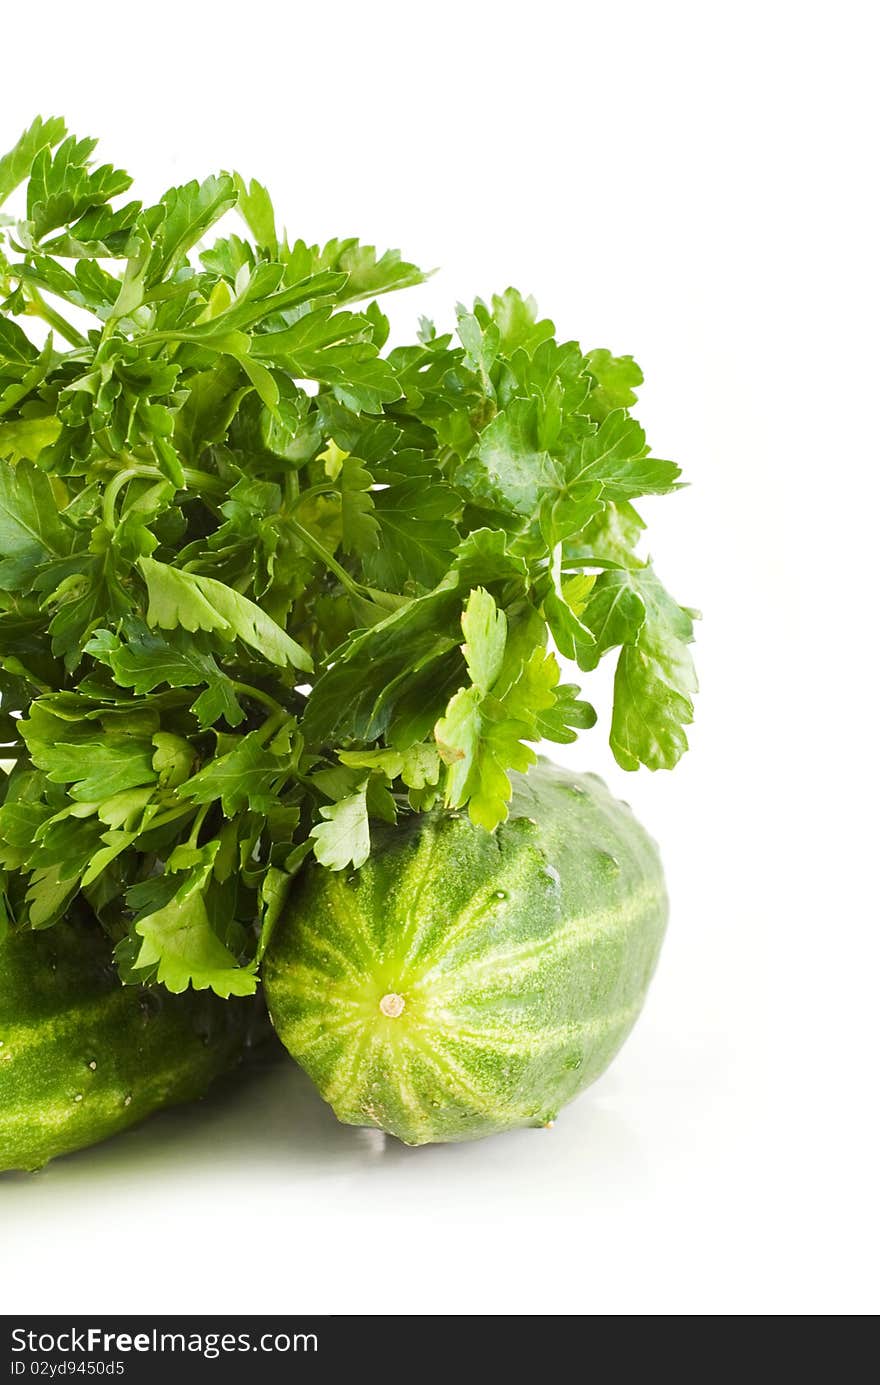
(170, 816)
(203, 480)
(556, 566)
(193, 839)
(327, 559)
(38, 307)
(121, 479)
(325, 488)
(272, 723)
(257, 695)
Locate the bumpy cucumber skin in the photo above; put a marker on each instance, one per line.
(522, 959)
(83, 1057)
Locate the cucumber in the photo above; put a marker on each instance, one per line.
(462, 983)
(83, 1057)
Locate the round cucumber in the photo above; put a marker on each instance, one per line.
(83, 1057)
(462, 983)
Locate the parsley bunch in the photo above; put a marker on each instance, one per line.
(240, 540)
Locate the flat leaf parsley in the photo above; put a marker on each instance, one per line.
(264, 580)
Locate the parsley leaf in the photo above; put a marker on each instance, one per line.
(143, 659)
(180, 598)
(247, 775)
(343, 838)
(417, 534)
(17, 164)
(30, 528)
(481, 735)
(181, 949)
(654, 683)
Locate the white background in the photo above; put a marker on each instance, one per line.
(694, 184)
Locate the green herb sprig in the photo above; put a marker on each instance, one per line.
(263, 580)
